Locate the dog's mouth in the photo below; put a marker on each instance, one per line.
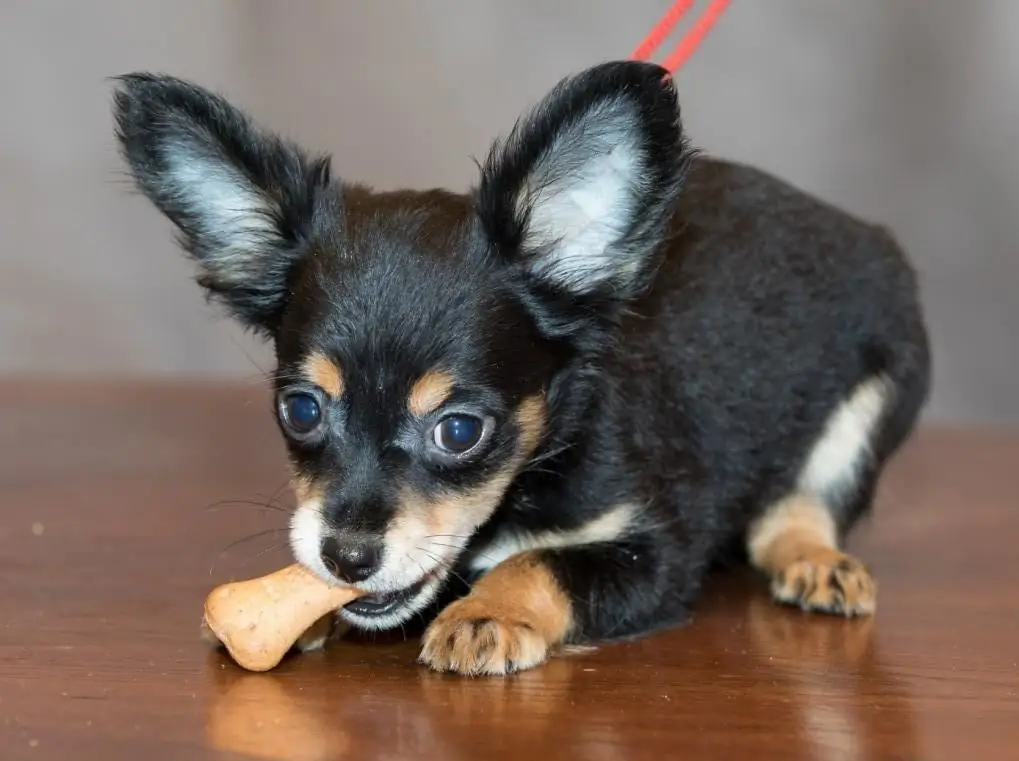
(381, 604)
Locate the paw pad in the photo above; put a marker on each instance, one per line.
(838, 584)
(461, 641)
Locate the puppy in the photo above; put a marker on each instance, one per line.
(611, 365)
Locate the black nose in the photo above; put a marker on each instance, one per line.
(350, 561)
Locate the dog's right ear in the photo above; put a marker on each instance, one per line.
(247, 205)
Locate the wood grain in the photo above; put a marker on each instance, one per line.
(106, 545)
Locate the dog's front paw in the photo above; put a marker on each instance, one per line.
(473, 638)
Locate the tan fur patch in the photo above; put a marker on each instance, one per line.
(477, 503)
(532, 416)
(827, 581)
(794, 543)
(324, 373)
(305, 490)
(511, 620)
(429, 392)
(459, 514)
(448, 519)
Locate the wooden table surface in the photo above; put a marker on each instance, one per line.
(108, 545)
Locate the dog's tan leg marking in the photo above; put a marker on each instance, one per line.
(795, 540)
(795, 544)
(511, 620)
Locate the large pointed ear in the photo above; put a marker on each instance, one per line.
(246, 204)
(581, 191)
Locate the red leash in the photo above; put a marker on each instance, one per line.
(690, 41)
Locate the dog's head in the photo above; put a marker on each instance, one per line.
(428, 343)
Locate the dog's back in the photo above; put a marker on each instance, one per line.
(759, 388)
(770, 310)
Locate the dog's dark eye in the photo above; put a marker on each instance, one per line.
(458, 434)
(301, 412)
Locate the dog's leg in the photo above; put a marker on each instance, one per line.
(537, 600)
(795, 542)
(510, 621)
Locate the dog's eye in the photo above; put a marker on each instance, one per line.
(457, 434)
(301, 412)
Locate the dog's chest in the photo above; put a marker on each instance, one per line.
(507, 541)
(510, 539)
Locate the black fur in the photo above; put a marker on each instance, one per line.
(688, 371)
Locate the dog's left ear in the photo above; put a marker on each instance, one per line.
(582, 190)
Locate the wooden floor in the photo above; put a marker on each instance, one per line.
(108, 545)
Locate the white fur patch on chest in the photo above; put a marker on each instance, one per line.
(607, 527)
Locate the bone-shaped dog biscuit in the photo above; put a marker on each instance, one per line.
(259, 620)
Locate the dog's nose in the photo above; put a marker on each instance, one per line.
(350, 561)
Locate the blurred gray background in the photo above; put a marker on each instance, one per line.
(904, 111)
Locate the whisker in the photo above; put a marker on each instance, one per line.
(330, 565)
(547, 471)
(421, 616)
(442, 563)
(250, 359)
(227, 503)
(264, 551)
(482, 555)
(448, 546)
(547, 455)
(243, 540)
(271, 503)
(277, 493)
(280, 489)
(448, 536)
(418, 613)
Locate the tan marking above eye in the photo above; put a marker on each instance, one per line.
(324, 373)
(429, 392)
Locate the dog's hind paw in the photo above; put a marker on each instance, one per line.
(827, 581)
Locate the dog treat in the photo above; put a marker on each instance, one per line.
(259, 620)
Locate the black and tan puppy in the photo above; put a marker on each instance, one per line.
(611, 364)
